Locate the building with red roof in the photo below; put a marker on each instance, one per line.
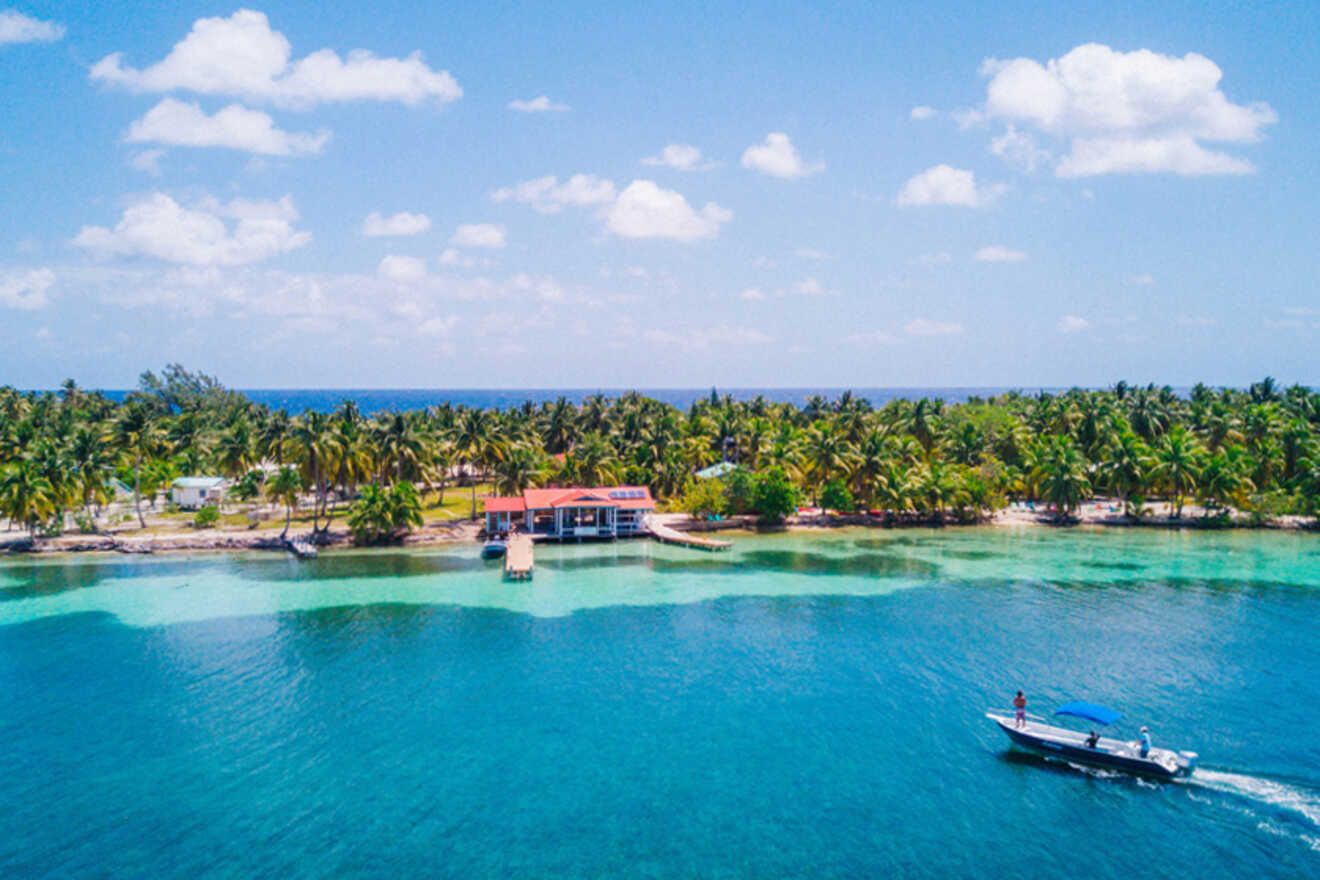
(571, 512)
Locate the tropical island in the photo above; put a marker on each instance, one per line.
(79, 463)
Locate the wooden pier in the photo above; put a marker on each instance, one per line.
(667, 535)
(518, 558)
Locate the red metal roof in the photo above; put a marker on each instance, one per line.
(497, 504)
(622, 497)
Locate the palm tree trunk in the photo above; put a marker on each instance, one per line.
(288, 518)
(137, 487)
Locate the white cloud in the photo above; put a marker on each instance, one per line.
(1073, 324)
(707, 336)
(1019, 148)
(26, 291)
(809, 287)
(456, 258)
(15, 27)
(242, 56)
(394, 267)
(1142, 280)
(42, 333)
(400, 224)
(927, 327)
(937, 258)
(998, 254)
(544, 288)
(1127, 112)
(1195, 321)
(684, 157)
(537, 105)
(752, 294)
(944, 185)
(873, 337)
(778, 158)
(644, 210)
(478, 235)
(922, 112)
(235, 127)
(158, 227)
(548, 195)
(437, 326)
(147, 160)
(812, 254)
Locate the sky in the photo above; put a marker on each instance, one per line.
(588, 195)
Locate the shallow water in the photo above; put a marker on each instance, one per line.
(807, 705)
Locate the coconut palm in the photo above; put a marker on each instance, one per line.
(1178, 461)
(26, 497)
(138, 436)
(1063, 476)
(285, 487)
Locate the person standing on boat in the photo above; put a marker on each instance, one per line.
(1145, 741)
(1019, 710)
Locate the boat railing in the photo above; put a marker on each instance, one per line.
(1011, 713)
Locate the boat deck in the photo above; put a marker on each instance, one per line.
(667, 535)
(518, 558)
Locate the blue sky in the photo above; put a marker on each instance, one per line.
(579, 195)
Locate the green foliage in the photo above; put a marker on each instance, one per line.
(835, 496)
(382, 516)
(739, 491)
(86, 524)
(705, 498)
(775, 497)
(206, 517)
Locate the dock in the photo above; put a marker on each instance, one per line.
(667, 535)
(518, 558)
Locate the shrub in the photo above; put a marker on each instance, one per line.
(776, 497)
(835, 496)
(86, 524)
(703, 498)
(207, 517)
(739, 491)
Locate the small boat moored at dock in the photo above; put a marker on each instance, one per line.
(1093, 750)
(494, 549)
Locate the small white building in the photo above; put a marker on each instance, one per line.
(190, 493)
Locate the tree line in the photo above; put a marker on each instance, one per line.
(64, 455)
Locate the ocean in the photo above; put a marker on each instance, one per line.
(375, 400)
(806, 705)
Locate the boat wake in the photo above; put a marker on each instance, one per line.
(1284, 797)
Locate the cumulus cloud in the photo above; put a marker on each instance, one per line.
(1019, 148)
(927, 327)
(1142, 280)
(26, 290)
(478, 235)
(400, 224)
(242, 56)
(1073, 324)
(778, 158)
(1127, 112)
(998, 254)
(752, 294)
(644, 210)
(945, 185)
(935, 258)
(812, 254)
(544, 288)
(922, 112)
(548, 195)
(15, 27)
(684, 157)
(147, 160)
(394, 267)
(537, 105)
(871, 337)
(437, 326)
(160, 228)
(235, 127)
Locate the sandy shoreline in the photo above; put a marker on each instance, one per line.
(1095, 514)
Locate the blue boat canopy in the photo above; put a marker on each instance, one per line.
(1089, 711)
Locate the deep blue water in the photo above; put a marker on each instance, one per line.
(373, 400)
(818, 734)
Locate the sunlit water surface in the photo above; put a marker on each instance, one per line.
(808, 705)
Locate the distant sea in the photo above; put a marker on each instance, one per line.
(374, 400)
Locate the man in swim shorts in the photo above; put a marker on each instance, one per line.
(1019, 710)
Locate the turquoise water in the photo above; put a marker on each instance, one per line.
(808, 705)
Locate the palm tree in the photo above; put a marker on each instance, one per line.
(1126, 466)
(138, 435)
(26, 496)
(1222, 481)
(522, 469)
(1177, 465)
(1063, 479)
(285, 487)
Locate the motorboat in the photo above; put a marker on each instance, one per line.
(1075, 747)
(493, 549)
